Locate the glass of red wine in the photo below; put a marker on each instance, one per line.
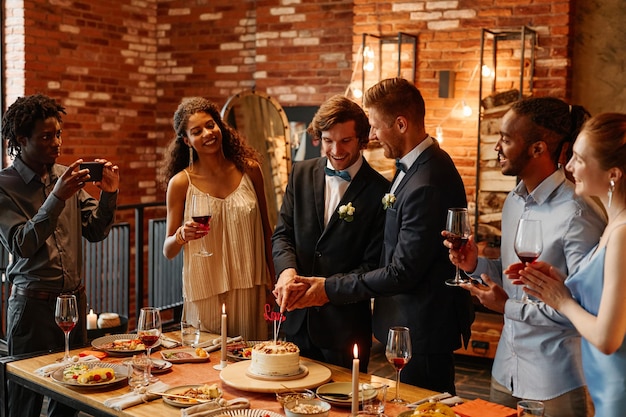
(528, 245)
(398, 352)
(66, 317)
(459, 229)
(201, 213)
(149, 332)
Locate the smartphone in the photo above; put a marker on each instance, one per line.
(95, 170)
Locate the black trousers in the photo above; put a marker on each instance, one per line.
(31, 328)
(433, 372)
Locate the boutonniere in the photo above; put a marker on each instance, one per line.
(346, 212)
(388, 200)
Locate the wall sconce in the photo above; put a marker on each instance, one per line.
(381, 57)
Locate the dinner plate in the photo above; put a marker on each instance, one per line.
(235, 351)
(183, 402)
(248, 412)
(121, 374)
(183, 356)
(159, 366)
(340, 388)
(101, 341)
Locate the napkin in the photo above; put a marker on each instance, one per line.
(48, 370)
(216, 344)
(134, 398)
(482, 408)
(169, 343)
(207, 409)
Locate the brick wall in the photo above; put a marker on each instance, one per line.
(121, 67)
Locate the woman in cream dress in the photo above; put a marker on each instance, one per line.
(209, 157)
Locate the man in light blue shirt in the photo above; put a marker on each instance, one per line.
(538, 356)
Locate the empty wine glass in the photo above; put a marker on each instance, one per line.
(149, 331)
(528, 245)
(201, 213)
(457, 224)
(398, 352)
(66, 317)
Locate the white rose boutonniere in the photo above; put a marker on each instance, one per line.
(346, 212)
(388, 200)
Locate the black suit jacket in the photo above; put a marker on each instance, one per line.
(301, 241)
(410, 285)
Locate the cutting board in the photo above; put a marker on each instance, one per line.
(235, 375)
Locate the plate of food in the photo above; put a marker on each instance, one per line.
(430, 409)
(240, 351)
(121, 344)
(90, 375)
(185, 355)
(250, 412)
(339, 393)
(159, 366)
(188, 395)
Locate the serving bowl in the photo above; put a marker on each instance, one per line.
(306, 408)
(294, 394)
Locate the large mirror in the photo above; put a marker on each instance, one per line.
(262, 121)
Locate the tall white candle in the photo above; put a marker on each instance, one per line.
(355, 381)
(92, 320)
(224, 331)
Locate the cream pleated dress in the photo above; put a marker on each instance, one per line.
(236, 275)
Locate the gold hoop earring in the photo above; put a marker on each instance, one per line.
(190, 158)
(610, 193)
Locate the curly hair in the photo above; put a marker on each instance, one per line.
(233, 145)
(555, 122)
(340, 109)
(22, 116)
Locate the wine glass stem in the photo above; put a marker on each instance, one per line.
(149, 365)
(66, 357)
(397, 386)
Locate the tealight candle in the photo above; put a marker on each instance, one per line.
(355, 381)
(92, 320)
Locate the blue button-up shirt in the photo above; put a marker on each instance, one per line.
(538, 356)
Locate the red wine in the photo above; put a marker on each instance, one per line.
(528, 257)
(66, 326)
(148, 339)
(399, 363)
(457, 241)
(202, 219)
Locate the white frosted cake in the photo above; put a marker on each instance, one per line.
(275, 359)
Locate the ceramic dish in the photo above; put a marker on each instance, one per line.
(338, 393)
(102, 343)
(159, 366)
(240, 351)
(121, 374)
(184, 402)
(183, 356)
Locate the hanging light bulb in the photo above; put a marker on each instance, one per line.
(439, 134)
(368, 59)
(467, 110)
(487, 71)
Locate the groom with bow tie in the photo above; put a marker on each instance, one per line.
(331, 222)
(409, 286)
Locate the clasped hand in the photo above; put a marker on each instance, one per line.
(294, 291)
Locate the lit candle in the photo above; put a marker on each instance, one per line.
(224, 336)
(355, 381)
(92, 320)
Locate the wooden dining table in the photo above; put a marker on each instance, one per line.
(91, 400)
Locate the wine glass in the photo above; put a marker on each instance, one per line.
(201, 213)
(398, 353)
(66, 317)
(457, 224)
(149, 331)
(528, 245)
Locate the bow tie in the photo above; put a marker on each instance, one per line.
(344, 175)
(400, 166)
